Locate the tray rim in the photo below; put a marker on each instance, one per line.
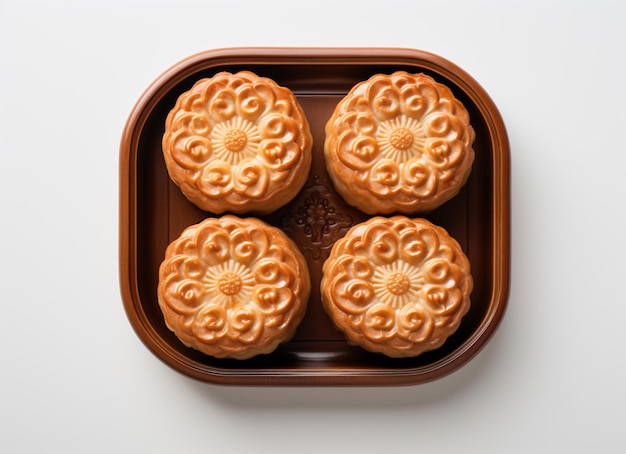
(500, 219)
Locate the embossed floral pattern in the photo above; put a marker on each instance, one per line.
(238, 143)
(396, 285)
(233, 287)
(399, 143)
(316, 219)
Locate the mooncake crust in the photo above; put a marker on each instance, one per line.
(399, 144)
(397, 286)
(238, 143)
(232, 287)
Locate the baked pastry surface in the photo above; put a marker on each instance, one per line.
(399, 143)
(232, 287)
(396, 286)
(237, 143)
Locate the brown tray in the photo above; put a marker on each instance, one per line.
(153, 212)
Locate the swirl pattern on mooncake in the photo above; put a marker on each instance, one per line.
(233, 288)
(238, 143)
(397, 286)
(399, 143)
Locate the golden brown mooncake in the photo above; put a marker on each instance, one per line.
(238, 143)
(399, 143)
(232, 287)
(396, 286)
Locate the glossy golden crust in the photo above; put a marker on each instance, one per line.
(238, 143)
(399, 143)
(233, 288)
(397, 286)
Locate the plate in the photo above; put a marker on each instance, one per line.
(153, 212)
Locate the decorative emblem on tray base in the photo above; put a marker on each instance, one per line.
(316, 218)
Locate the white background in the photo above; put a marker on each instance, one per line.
(74, 377)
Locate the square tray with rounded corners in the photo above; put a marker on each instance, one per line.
(153, 212)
